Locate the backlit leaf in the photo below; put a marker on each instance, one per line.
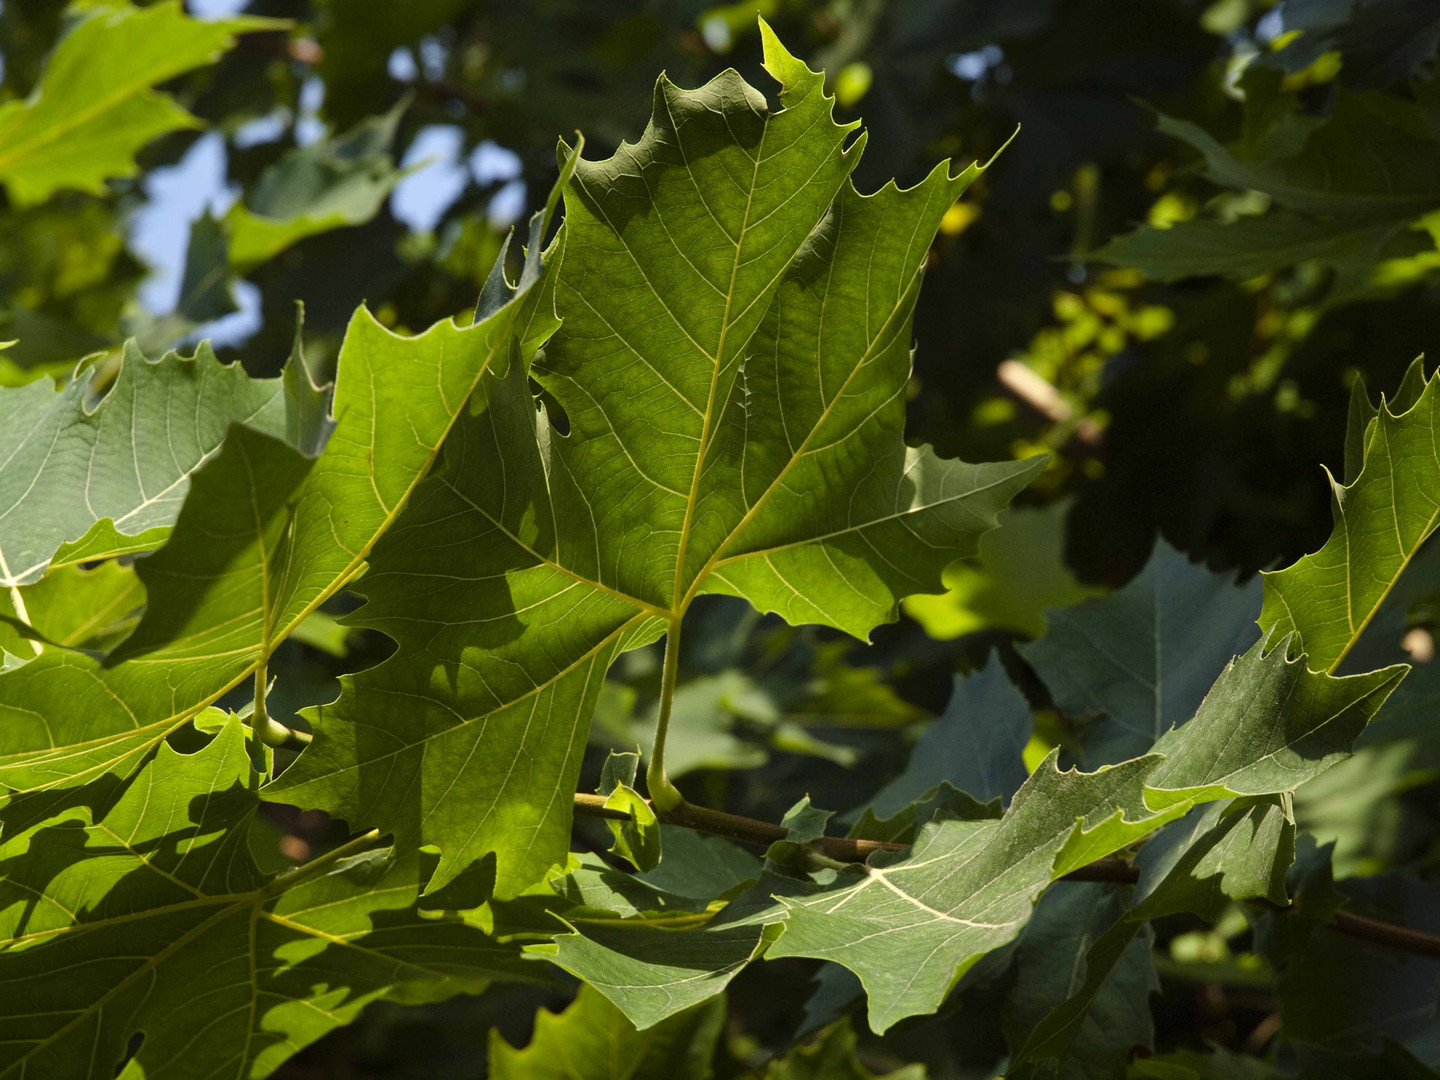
(96, 105)
(266, 535)
(108, 477)
(724, 435)
(1381, 519)
(592, 1040)
(168, 930)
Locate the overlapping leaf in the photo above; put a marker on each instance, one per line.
(164, 927)
(333, 182)
(266, 534)
(96, 105)
(908, 926)
(975, 745)
(1347, 995)
(1082, 994)
(1259, 245)
(1136, 663)
(1373, 157)
(73, 608)
(592, 1040)
(1234, 850)
(731, 366)
(1351, 186)
(1020, 574)
(1381, 519)
(90, 479)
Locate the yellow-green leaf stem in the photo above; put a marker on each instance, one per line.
(664, 793)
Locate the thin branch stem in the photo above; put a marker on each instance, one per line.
(734, 827)
(259, 717)
(1109, 869)
(267, 729)
(1388, 934)
(663, 793)
(323, 862)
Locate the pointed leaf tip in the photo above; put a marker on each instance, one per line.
(782, 65)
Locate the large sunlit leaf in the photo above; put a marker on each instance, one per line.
(731, 366)
(97, 105)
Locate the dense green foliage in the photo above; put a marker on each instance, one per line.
(582, 651)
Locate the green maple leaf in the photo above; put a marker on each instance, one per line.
(732, 361)
(164, 927)
(1138, 662)
(332, 182)
(651, 972)
(1381, 519)
(1019, 574)
(267, 533)
(1082, 994)
(1239, 849)
(73, 608)
(1234, 850)
(638, 839)
(831, 1056)
(1350, 995)
(975, 745)
(909, 925)
(1374, 157)
(1264, 244)
(96, 104)
(592, 1040)
(86, 480)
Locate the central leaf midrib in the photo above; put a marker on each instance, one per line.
(678, 594)
(796, 455)
(619, 594)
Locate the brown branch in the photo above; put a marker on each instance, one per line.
(745, 830)
(1387, 934)
(1109, 869)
